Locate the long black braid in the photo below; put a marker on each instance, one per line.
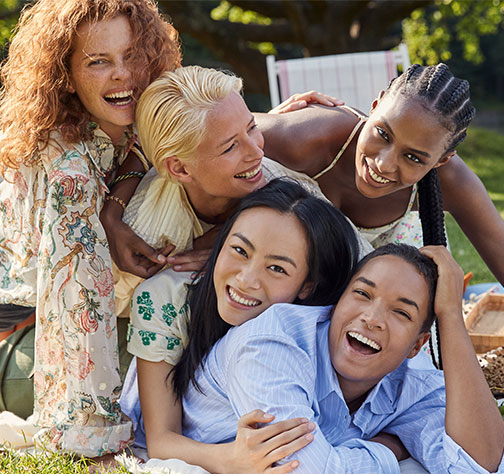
(448, 97)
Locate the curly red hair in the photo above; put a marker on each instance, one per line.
(35, 98)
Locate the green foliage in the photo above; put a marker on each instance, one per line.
(235, 14)
(482, 151)
(428, 31)
(9, 12)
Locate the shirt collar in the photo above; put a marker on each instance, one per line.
(102, 151)
(326, 380)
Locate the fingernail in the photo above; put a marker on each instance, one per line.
(331, 103)
(309, 437)
(295, 463)
(311, 426)
(267, 415)
(304, 420)
(177, 267)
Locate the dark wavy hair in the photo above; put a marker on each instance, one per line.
(333, 252)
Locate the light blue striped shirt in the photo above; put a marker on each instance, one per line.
(279, 362)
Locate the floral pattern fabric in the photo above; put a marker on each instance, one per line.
(54, 255)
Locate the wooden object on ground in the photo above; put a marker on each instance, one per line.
(485, 323)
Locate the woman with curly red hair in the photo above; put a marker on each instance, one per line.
(74, 73)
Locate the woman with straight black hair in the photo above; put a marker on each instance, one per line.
(280, 245)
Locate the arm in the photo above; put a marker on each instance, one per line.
(466, 198)
(471, 411)
(254, 450)
(76, 376)
(286, 389)
(129, 252)
(305, 140)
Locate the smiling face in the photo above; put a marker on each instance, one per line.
(101, 73)
(228, 160)
(399, 144)
(263, 261)
(377, 323)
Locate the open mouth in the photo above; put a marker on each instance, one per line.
(251, 302)
(362, 344)
(120, 98)
(376, 177)
(249, 174)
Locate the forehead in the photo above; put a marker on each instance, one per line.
(98, 37)
(228, 117)
(413, 123)
(395, 278)
(269, 229)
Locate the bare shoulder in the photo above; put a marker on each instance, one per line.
(306, 139)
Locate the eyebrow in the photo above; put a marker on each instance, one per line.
(414, 150)
(282, 258)
(373, 285)
(227, 140)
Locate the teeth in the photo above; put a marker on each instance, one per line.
(376, 177)
(365, 340)
(235, 297)
(249, 174)
(119, 95)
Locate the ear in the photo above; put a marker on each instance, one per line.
(177, 169)
(376, 101)
(445, 159)
(70, 88)
(419, 343)
(306, 289)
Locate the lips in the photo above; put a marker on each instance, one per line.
(241, 299)
(375, 177)
(119, 98)
(249, 174)
(362, 344)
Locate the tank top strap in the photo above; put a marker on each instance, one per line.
(362, 119)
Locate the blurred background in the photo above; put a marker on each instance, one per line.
(467, 35)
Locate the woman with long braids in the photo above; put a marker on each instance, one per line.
(380, 169)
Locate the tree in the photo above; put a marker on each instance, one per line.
(310, 27)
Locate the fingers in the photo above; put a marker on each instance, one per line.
(282, 468)
(288, 442)
(300, 101)
(251, 419)
(192, 261)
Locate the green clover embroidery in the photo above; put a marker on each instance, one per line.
(145, 305)
(169, 313)
(147, 337)
(172, 342)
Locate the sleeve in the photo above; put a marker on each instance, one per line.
(421, 429)
(159, 317)
(76, 376)
(278, 377)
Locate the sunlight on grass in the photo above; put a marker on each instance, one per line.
(482, 150)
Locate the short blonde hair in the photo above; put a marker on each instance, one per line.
(172, 112)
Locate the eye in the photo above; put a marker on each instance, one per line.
(413, 158)
(227, 150)
(361, 293)
(277, 269)
(252, 127)
(403, 313)
(239, 250)
(382, 133)
(96, 62)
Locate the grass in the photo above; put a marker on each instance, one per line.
(14, 462)
(482, 151)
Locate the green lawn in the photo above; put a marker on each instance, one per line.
(483, 151)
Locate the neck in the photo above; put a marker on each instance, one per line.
(354, 393)
(210, 209)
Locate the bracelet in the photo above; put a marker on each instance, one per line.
(130, 174)
(119, 201)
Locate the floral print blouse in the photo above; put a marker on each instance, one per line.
(54, 255)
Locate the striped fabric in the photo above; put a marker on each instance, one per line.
(279, 362)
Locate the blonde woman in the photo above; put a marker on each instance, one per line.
(70, 85)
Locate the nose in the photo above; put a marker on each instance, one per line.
(372, 318)
(255, 145)
(386, 161)
(121, 72)
(247, 278)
